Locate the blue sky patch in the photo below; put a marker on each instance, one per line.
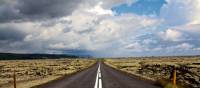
(141, 7)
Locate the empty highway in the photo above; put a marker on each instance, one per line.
(99, 76)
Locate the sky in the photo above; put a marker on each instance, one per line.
(101, 28)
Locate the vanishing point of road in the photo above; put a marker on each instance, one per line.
(99, 76)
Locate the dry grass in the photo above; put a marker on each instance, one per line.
(35, 72)
(156, 68)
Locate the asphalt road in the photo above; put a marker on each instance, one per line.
(99, 76)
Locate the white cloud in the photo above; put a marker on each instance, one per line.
(181, 20)
(183, 33)
(99, 10)
(112, 3)
(184, 46)
(171, 35)
(189, 28)
(94, 27)
(179, 48)
(62, 46)
(180, 12)
(90, 28)
(136, 47)
(197, 49)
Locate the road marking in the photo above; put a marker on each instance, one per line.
(98, 83)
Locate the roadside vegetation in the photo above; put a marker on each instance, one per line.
(159, 69)
(35, 72)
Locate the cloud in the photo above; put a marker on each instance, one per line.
(171, 35)
(184, 46)
(179, 31)
(92, 28)
(112, 3)
(179, 12)
(10, 34)
(86, 29)
(137, 47)
(20, 10)
(190, 29)
(98, 9)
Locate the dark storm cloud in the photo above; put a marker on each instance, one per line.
(79, 52)
(10, 34)
(8, 13)
(10, 37)
(36, 9)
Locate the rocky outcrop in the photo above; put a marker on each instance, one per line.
(185, 75)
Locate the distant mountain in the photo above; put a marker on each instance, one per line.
(15, 56)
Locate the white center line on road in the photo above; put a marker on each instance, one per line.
(98, 83)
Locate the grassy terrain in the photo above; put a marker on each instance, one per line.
(34, 72)
(160, 69)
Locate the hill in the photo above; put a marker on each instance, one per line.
(15, 56)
